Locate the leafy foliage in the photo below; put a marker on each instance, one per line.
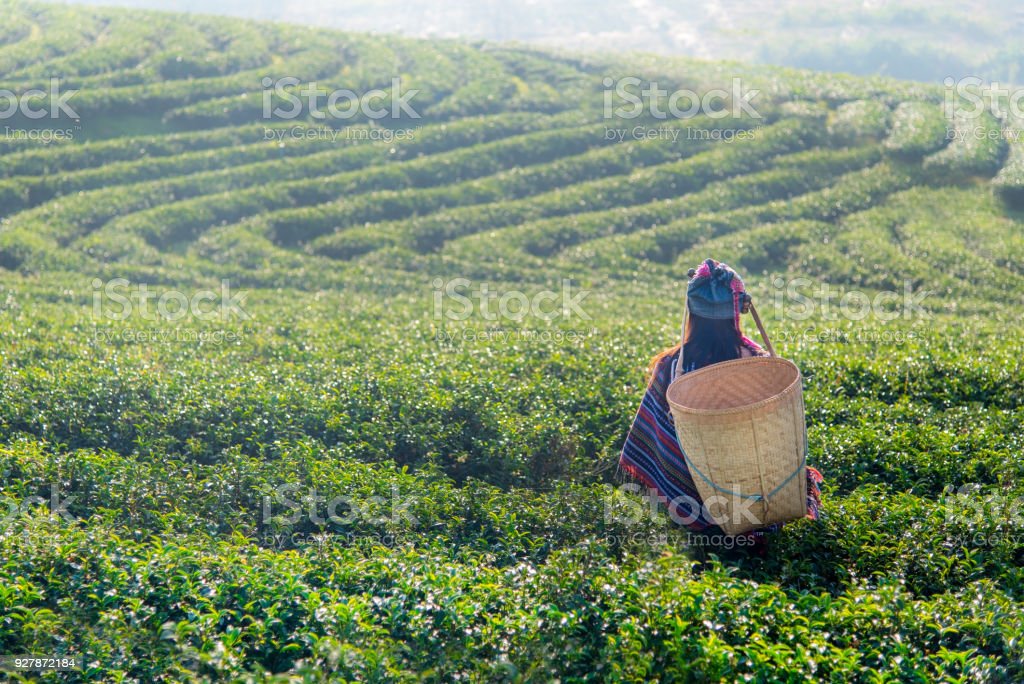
(918, 128)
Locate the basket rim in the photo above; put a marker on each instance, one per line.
(792, 387)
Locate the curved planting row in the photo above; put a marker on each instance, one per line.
(860, 121)
(630, 189)
(431, 231)
(1009, 182)
(672, 180)
(976, 148)
(127, 43)
(163, 50)
(917, 129)
(294, 158)
(79, 214)
(16, 27)
(418, 177)
(942, 240)
(293, 226)
(214, 74)
(450, 84)
(789, 176)
(662, 244)
(54, 31)
(36, 161)
(360, 64)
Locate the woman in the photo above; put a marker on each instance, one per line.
(714, 298)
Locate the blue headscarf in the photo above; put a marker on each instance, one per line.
(712, 291)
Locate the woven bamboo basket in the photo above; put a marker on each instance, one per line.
(741, 426)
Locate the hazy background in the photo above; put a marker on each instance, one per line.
(925, 41)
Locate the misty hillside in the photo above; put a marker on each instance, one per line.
(916, 40)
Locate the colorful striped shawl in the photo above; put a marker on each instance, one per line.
(651, 455)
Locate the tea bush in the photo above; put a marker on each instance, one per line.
(860, 121)
(1010, 179)
(918, 128)
(977, 148)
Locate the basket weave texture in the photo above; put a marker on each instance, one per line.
(741, 425)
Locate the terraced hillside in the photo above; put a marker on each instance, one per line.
(343, 397)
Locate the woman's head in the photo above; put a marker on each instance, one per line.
(715, 292)
(714, 298)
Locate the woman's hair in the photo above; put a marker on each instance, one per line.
(708, 341)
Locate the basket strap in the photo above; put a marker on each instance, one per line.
(760, 469)
(760, 329)
(682, 344)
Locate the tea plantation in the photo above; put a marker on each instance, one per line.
(255, 425)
